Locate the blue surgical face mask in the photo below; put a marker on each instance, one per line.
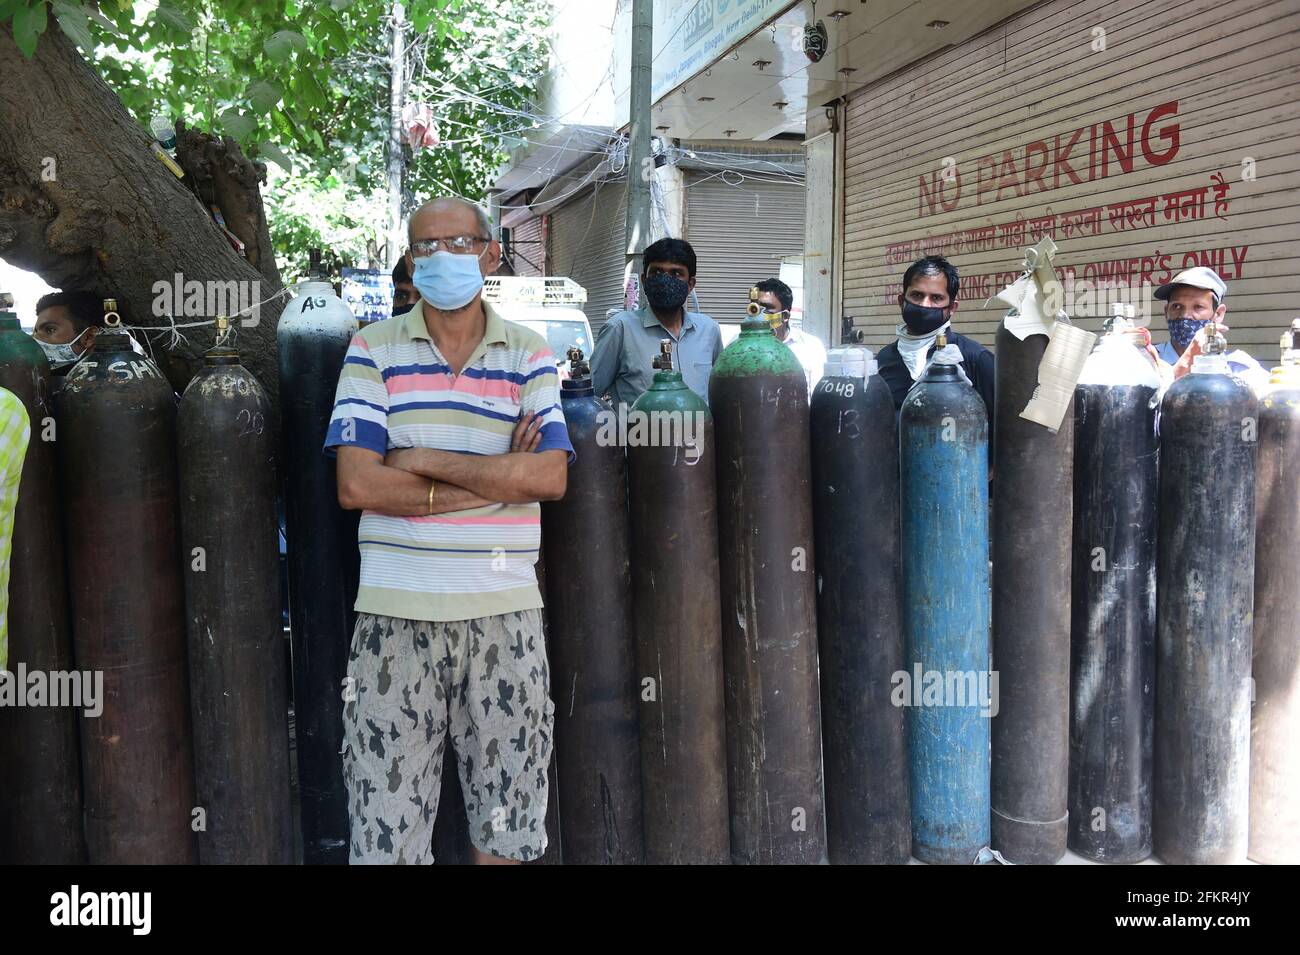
(446, 280)
(1183, 330)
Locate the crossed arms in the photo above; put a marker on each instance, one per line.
(398, 484)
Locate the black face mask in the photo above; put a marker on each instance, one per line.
(402, 309)
(921, 320)
(665, 293)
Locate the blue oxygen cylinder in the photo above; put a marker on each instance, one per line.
(947, 688)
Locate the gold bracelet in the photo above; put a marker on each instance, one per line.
(433, 486)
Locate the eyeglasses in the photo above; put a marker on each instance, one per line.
(459, 244)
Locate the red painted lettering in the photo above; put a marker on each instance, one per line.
(1169, 133)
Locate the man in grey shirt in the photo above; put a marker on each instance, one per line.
(629, 341)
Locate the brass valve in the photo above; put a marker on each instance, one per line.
(577, 367)
(664, 360)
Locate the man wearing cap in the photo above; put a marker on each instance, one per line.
(1192, 298)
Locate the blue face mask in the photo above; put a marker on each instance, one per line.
(446, 280)
(1183, 330)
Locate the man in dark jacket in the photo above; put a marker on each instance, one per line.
(928, 302)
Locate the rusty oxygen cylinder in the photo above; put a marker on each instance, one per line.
(117, 461)
(40, 765)
(676, 609)
(1033, 484)
(239, 687)
(589, 608)
(1205, 581)
(1275, 718)
(758, 395)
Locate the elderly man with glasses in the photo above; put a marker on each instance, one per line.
(448, 431)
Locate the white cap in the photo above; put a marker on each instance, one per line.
(1198, 277)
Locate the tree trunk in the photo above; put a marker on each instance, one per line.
(86, 205)
(217, 169)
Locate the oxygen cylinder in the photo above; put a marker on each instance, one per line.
(239, 693)
(324, 560)
(943, 460)
(117, 461)
(554, 849)
(589, 607)
(1113, 610)
(759, 398)
(677, 614)
(859, 630)
(1205, 587)
(1275, 719)
(1032, 491)
(40, 796)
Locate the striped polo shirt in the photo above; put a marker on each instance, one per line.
(397, 391)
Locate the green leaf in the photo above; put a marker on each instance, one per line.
(274, 153)
(29, 24)
(237, 124)
(264, 96)
(73, 22)
(103, 21)
(280, 44)
(340, 4)
(173, 18)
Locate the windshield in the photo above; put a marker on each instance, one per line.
(561, 336)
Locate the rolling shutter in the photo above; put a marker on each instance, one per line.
(1144, 137)
(586, 239)
(740, 233)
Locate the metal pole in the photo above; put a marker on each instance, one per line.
(394, 240)
(640, 164)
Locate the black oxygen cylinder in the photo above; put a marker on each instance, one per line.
(239, 687)
(324, 559)
(117, 461)
(1032, 490)
(40, 765)
(1205, 589)
(854, 435)
(1275, 719)
(591, 645)
(553, 855)
(674, 520)
(758, 395)
(1113, 610)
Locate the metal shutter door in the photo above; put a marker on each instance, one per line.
(527, 251)
(1003, 104)
(587, 238)
(740, 233)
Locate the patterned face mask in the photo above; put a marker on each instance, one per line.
(1183, 330)
(60, 355)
